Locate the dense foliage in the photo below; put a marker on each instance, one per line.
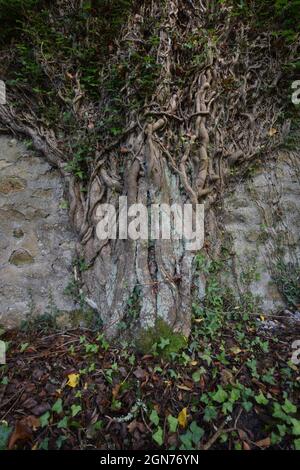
(282, 16)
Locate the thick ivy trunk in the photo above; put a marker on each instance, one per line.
(154, 274)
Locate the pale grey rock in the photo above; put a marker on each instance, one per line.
(36, 241)
(262, 219)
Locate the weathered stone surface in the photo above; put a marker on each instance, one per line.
(36, 241)
(262, 219)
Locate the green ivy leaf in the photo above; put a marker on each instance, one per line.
(275, 439)
(158, 436)
(296, 426)
(227, 407)
(282, 429)
(207, 358)
(234, 395)
(44, 445)
(297, 444)
(289, 407)
(261, 399)
(23, 347)
(220, 396)
(197, 432)
(247, 405)
(59, 441)
(164, 342)
(186, 440)
(278, 413)
(154, 418)
(173, 423)
(58, 407)
(75, 409)
(63, 423)
(210, 413)
(5, 432)
(197, 375)
(44, 419)
(131, 359)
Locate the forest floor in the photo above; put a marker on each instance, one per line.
(73, 390)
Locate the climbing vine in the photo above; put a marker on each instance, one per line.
(125, 97)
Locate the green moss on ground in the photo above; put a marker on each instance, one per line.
(161, 340)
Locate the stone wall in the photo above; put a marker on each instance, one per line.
(36, 241)
(259, 220)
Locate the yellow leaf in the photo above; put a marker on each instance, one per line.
(262, 318)
(73, 380)
(182, 418)
(235, 350)
(193, 363)
(272, 131)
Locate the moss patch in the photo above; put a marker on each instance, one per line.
(160, 340)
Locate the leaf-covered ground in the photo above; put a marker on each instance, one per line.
(231, 387)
